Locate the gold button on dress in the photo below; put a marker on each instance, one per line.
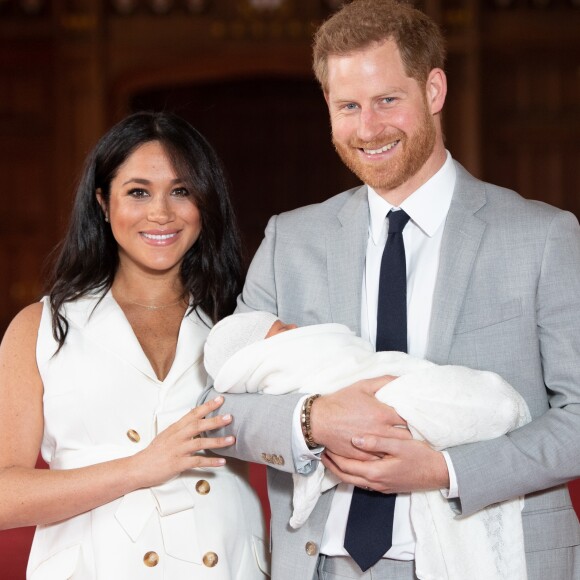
(133, 436)
(202, 487)
(151, 559)
(210, 559)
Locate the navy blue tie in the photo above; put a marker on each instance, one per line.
(369, 529)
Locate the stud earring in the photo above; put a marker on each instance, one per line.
(106, 218)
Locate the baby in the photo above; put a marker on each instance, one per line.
(443, 406)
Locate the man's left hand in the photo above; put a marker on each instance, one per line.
(401, 465)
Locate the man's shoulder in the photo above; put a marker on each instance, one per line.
(502, 198)
(324, 211)
(526, 219)
(504, 204)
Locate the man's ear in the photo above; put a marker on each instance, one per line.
(436, 90)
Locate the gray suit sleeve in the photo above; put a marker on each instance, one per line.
(262, 424)
(543, 453)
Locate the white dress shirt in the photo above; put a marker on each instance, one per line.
(427, 207)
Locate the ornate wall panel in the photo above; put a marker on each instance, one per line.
(28, 206)
(531, 101)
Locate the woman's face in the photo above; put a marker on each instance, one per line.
(152, 214)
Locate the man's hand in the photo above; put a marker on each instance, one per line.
(336, 418)
(400, 465)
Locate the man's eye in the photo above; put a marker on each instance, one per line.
(351, 106)
(389, 100)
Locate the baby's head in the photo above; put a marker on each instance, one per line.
(237, 331)
(278, 327)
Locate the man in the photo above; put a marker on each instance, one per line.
(492, 282)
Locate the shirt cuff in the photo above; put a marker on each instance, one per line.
(453, 491)
(304, 457)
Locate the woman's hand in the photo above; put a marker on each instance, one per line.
(176, 448)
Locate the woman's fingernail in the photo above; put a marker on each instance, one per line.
(229, 439)
(227, 417)
(220, 461)
(219, 399)
(358, 441)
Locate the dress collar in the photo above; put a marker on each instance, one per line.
(103, 321)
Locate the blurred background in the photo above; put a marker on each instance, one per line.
(239, 70)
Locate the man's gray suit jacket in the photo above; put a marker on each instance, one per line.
(507, 299)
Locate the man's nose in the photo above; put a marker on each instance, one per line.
(370, 125)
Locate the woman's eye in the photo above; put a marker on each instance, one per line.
(137, 193)
(180, 192)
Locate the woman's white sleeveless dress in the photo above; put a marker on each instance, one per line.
(102, 401)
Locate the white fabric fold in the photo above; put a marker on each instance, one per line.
(134, 512)
(60, 565)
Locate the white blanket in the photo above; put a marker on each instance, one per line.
(443, 405)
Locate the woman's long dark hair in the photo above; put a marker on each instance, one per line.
(88, 257)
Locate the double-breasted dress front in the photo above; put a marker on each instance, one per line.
(103, 401)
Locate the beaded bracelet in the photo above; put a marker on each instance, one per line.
(305, 421)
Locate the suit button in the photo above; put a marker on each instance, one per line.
(210, 559)
(133, 436)
(311, 548)
(202, 487)
(151, 559)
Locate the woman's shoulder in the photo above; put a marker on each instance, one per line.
(29, 317)
(23, 330)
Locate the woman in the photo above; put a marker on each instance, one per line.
(102, 375)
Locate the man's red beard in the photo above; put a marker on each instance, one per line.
(414, 150)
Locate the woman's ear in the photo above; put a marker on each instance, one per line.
(101, 201)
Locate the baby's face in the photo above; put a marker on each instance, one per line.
(279, 327)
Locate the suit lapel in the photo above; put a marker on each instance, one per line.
(346, 250)
(461, 240)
